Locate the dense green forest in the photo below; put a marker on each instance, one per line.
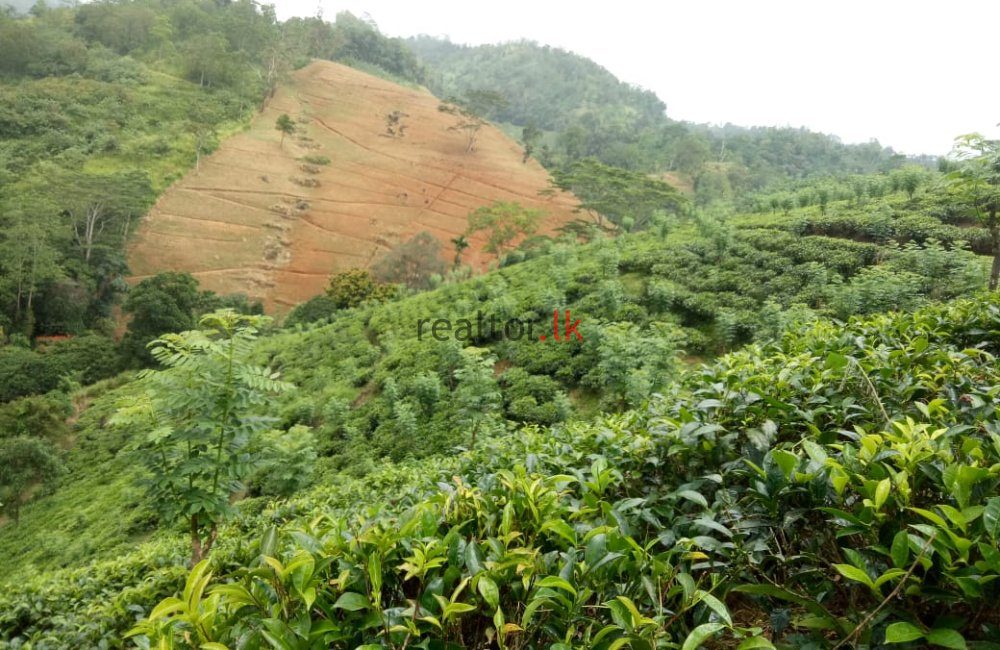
(775, 426)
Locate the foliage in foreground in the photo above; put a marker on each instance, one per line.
(198, 420)
(838, 488)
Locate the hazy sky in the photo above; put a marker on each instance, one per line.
(912, 74)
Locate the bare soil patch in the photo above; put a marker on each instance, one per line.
(260, 219)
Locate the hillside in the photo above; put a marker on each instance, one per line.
(278, 219)
(381, 418)
(605, 508)
(545, 86)
(770, 421)
(583, 110)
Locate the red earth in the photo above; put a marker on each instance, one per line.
(261, 219)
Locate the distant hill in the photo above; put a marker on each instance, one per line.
(546, 86)
(23, 6)
(586, 111)
(278, 219)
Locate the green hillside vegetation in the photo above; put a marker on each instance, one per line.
(572, 108)
(783, 489)
(366, 381)
(774, 426)
(104, 105)
(25, 6)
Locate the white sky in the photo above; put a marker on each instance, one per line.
(912, 74)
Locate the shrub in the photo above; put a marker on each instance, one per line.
(315, 310)
(23, 373)
(357, 286)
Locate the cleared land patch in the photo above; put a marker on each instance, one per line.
(275, 220)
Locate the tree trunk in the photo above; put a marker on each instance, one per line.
(196, 552)
(17, 304)
(995, 243)
(93, 225)
(200, 548)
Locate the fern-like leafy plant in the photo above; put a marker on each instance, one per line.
(200, 415)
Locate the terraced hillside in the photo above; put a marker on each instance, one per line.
(273, 219)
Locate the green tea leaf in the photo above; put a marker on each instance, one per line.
(715, 605)
(561, 528)
(352, 602)
(991, 518)
(902, 632)
(556, 582)
(755, 642)
(900, 550)
(691, 495)
(700, 633)
(882, 492)
(787, 461)
(489, 591)
(473, 558)
(946, 638)
(835, 361)
(854, 573)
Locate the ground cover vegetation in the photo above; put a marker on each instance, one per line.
(776, 428)
(833, 486)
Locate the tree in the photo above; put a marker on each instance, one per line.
(290, 461)
(318, 308)
(357, 286)
(471, 111)
(631, 364)
(823, 198)
(274, 67)
(616, 194)
(24, 462)
(28, 260)
(208, 60)
(975, 184)
(477, 397)
(285, 125)
(467, 123)
(164, 303)
(690, 153)
(101, 207)
(486, 102)
(504, 221)
(909, 179)
(460, 243)
(413, 263)
(199, 419)
(201, 126)
(530, 136)
(25, 372)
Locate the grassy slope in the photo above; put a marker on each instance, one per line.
(95, 509)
